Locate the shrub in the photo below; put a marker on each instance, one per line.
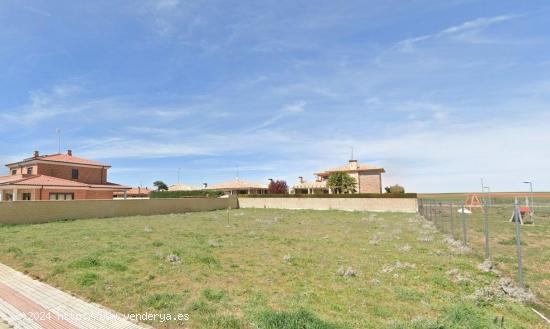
(341, 182)
(277, 187)
(395, 189)
(184, 194)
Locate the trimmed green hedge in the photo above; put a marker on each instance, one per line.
(357, 195)
(184, 194)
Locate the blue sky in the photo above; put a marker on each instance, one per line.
(440, 93)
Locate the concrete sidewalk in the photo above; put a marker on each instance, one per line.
(28, 303)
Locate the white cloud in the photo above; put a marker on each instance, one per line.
(285, 111)
(464, 32)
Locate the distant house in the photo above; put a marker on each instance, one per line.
(368, 178)
(134, 193)
(182, 187)
(57, 177)
(237, 186)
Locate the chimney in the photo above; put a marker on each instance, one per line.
(70, 153)
(301, 179)
(204, 185)
(353, 165)
(36, 154)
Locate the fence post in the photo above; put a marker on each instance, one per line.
(518, 243)
(464, 229)
(486, 228)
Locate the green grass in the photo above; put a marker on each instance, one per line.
(535, 244)
(237, 276)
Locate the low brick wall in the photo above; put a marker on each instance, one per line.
(408, 205)
(32, 212)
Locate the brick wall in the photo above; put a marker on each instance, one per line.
(370, 183)
(85, 175)
(349, 204)
(32, 212)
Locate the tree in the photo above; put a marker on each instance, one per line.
(277, 187)
(341, 182)
(161, 186)
(395, 189)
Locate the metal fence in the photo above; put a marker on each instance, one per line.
(513, 234)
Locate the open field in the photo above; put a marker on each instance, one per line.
(534, 240)
(258, 268)
(498, 197)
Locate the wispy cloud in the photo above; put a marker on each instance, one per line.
(461, 32)
(285, 111)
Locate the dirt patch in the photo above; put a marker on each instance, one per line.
(458, 277)
(488, 266)
(425, 237)
(346, 272)
(504, 288)
(397, 266)
(375, 240)
(173, 258)
(456, 246)
(405, 248)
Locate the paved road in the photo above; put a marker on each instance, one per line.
(27, 303)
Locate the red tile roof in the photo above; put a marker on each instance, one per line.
(348, 168)
(59, 157)
(11, 178)
(236, 185)
(43, 180)
(71, 159)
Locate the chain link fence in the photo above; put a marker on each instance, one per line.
(514, 235)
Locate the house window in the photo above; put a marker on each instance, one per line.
(14, 172)
(29, 170)
(26, 196)
(74, 174)
(61, 196)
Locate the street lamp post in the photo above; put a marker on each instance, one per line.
(532, 206)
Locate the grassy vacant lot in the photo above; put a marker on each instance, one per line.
(534, 240)
(497, 197)
(266, 269)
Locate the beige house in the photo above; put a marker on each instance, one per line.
(182, 187)
(368, 178)
(238, 186)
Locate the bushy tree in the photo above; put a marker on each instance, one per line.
(277, 187)
(160, 185)
(398, 189)
(341, 182)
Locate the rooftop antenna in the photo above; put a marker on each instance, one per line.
(58, 132)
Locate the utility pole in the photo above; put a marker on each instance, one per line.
(58, 131)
